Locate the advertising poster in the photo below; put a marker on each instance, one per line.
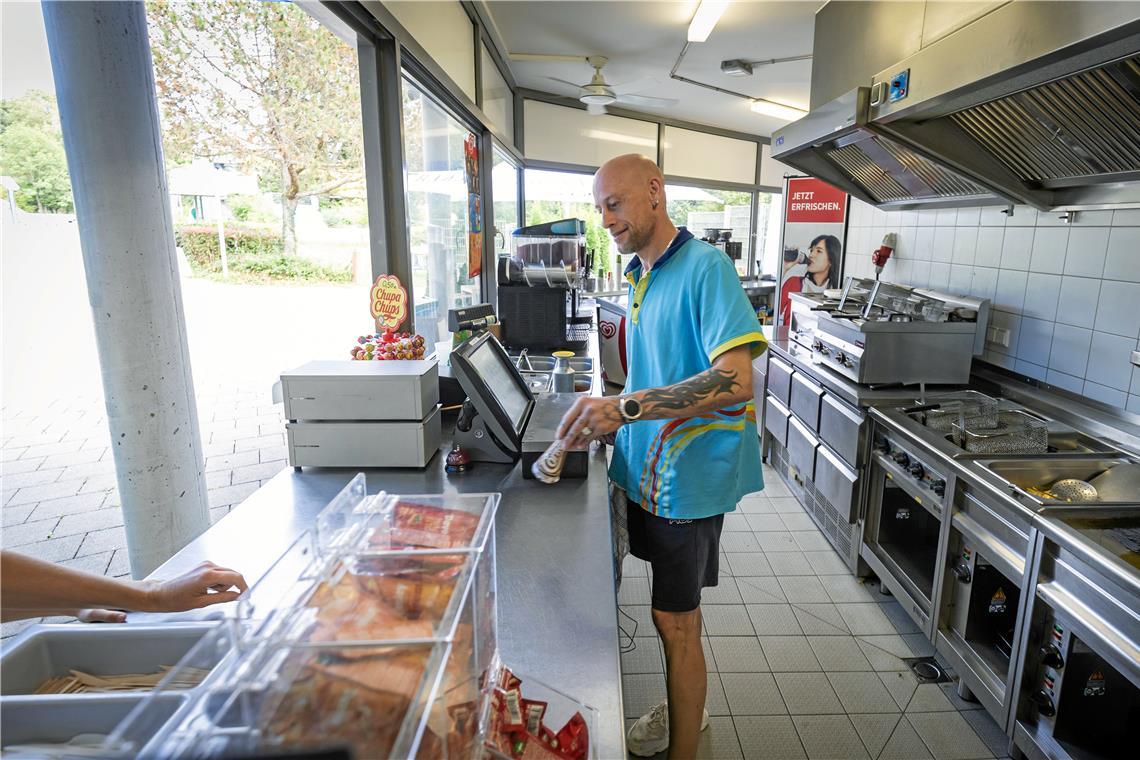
(474, 207)
(815, 227)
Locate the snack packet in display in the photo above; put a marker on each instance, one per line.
(574, 738)
(428, 526)
(548, 467)
(533, 710)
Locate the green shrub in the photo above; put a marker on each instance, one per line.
(200, 244)
(240, 206)
(279, 267)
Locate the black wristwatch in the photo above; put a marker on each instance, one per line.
(630, 408)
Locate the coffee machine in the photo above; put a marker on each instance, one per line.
(722, 239)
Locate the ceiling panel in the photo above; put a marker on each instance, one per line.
(642, 41)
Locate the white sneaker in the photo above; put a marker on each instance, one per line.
(650, 734)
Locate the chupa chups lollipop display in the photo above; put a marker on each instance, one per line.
(387, 346)
(548, 467)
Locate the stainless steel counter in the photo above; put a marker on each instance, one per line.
(557, 601)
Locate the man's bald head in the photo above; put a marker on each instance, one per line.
(629, 191)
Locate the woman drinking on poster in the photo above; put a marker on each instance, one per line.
(820, 271)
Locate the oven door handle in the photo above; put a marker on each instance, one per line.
(998, 554)
(1122, 652)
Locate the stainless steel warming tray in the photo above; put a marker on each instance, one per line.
(1030, 478)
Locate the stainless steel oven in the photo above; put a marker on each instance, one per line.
(1079, 691)
(983, 600)
(906, 518)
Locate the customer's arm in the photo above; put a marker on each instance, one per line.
(30, 587)
(727, 382)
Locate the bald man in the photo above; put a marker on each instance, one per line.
(686, 449)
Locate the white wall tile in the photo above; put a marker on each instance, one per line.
(965, 244)
(1078, 299)
(943, 248)
(989, 246)
(1011, 289)
(1086, 251)
(905, 242)
(939, 276)
(1049, 250)
(1041, 295)
(1133, 403)
(947, 217)
(1123, 260)
(920, 274)
(1125, 217)
(1000, 359)
(961, 278)
(1035, 341)
(1110, 396)
(1017, 248)
(1067, 382)
(1052, 219)
(855, 215)
(969, 217)
(984, 284)
(1109, 360)
(894, 219)
(927, 217)
(1070, 350)
(923, 243)
(1023, 216)
(908, 219)
(1118, 310)
(1029, 369)
(993, 216)
(1092, 219)
(1135, 387)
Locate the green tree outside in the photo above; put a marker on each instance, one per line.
(31, 152)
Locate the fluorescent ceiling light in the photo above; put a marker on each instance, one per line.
(777, 110)
(708, 13)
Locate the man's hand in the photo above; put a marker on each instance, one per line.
(101, 616)
(588, 419)
(204, 585)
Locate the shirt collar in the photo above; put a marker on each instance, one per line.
(683, 236)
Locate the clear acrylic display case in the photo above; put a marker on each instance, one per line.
(374, 633)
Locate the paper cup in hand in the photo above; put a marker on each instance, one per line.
(548, 467)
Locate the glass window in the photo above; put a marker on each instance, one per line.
(554, 195)
(437, 198)
(505, 194)
(769, 219)
(702, 209)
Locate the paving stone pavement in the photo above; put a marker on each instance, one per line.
(57, 476)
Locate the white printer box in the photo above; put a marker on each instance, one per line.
(364, 444)
(362, 413)
(361, 390)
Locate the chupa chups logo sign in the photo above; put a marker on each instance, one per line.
(389, 302)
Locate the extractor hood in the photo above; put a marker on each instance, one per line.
(1035, 103)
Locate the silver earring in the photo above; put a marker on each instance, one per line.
(654, 203)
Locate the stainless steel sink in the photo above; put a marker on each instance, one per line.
(1039, 473)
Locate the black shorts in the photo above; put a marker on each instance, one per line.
(684, 555)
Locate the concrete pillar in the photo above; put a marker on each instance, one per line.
(104, 84)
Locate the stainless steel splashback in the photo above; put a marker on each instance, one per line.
(1032, 102)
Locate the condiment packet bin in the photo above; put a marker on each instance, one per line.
(375, 632)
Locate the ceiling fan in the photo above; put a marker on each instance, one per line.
(597, 93)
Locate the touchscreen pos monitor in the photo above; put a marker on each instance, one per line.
(496, 390)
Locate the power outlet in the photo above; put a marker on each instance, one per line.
(998, 336)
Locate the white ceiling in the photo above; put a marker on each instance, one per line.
(642, 41)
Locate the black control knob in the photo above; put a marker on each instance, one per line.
(1051, 657)
(938, 486)
(817, 346)
(901, 459)
(1044, 702)
(841, 357)
(961, 571)
(917, 470)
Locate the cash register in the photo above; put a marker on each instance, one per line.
(501, 419)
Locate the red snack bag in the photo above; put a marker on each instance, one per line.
(538, 750)
(433, 527)
(512, 709)
(533, 711)
(574, 738)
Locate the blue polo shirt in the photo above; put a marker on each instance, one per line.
(684, 313)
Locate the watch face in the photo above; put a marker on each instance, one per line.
(631, 407)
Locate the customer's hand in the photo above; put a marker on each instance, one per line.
(101, 616)
(588, 419)
(204, 585)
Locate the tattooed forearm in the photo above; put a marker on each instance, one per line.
(714, 388)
